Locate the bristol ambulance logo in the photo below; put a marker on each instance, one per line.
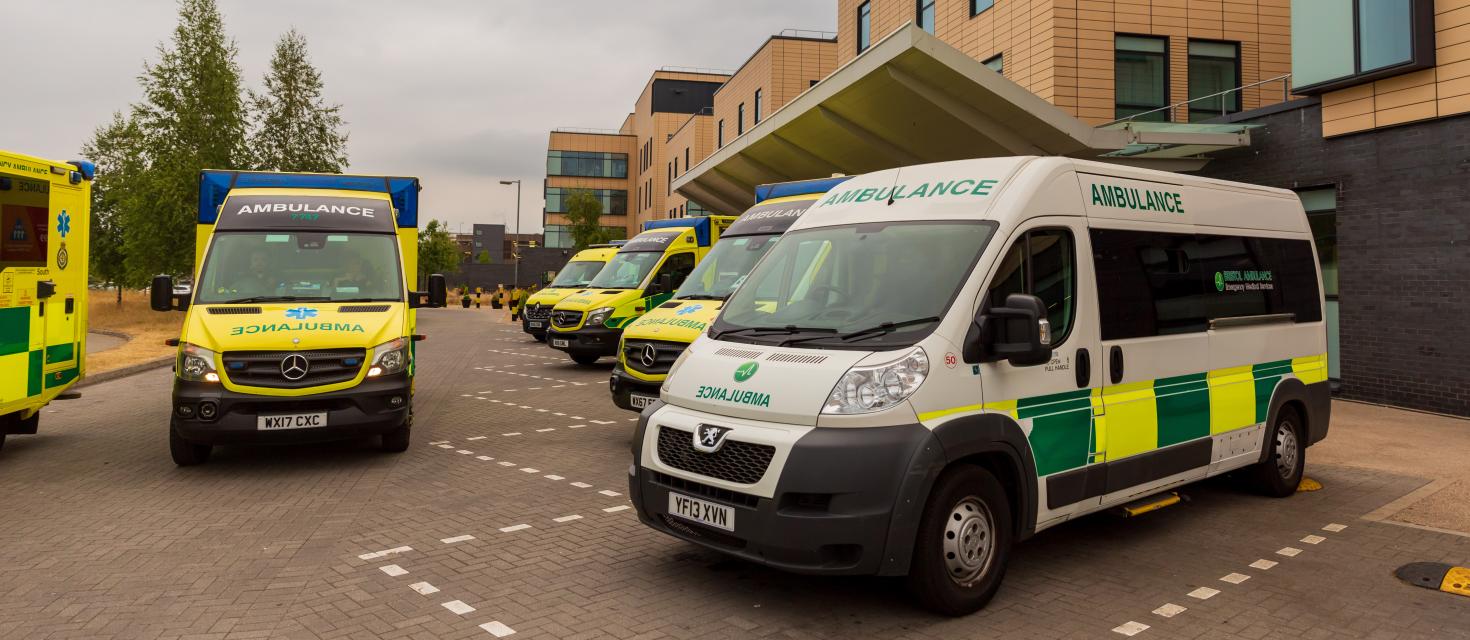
(746, 371)
(709, 438)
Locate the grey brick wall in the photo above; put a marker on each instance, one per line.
(1403, 228)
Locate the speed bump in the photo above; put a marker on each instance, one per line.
(1308, 484)
(1437, 576)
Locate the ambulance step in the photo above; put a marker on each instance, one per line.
(1151, 503)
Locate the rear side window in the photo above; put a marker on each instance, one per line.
(1152, 284)
(25, 210)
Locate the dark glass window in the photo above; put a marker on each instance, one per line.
(996, 63)
(924, 14)
(720, 134)
(1043, 264)
(614, 201)
(864, 26)
(740, 119)
(1385, 33)
(588, 164)
(757, 114)
(979, 6)
(1342, 43)
(1140, 77)
(678, 266)
(1213, 67)
(1153, 284)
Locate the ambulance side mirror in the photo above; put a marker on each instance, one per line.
(1017, 332)
(438, 293)
(161, 296)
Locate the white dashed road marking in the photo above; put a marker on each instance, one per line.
(1235, 578)
(457, 539)
(609, 493)
(514, 527)
(1263, 564)
(1290, 552)
(1334, 527)
(1313, 539)
(424, 588)
(1130, 628)
(393, 570)
(496, 629)
(621, 507)
(552, 476)
(581, 485)
(567, 518)
(379, 554)
(458, 607)
(1169, 610)
(1204, 593)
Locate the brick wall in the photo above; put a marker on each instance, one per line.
(1403, 246)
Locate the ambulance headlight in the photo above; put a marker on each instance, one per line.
(869, 389)
(598, 316)
(196, 364)
(389, 358)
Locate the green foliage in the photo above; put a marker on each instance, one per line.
(438, 252)
(295, 130)
(483, 257)
(585, 212)
(116, 148)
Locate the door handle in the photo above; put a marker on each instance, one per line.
(1115, 364)
(1083, 368)
(45, 289)
(70, 305)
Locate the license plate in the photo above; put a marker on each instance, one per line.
(535, 325)
(639, 401)
(296, 421)
(558, 343)
(701, 511)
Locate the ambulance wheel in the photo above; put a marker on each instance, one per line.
(540, 337)
(1286, 459)
(2, 441)
(185, 453)
(963, 544)
(584, 358)
(396, 441)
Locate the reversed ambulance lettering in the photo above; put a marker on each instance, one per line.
(732, 396)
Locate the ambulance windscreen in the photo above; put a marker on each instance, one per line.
(259, 212)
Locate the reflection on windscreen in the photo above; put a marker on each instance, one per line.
(626, 270)
(855, 277)
(725, 267)
(244, 267)
(576, 274)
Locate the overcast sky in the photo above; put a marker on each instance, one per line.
(460, 93)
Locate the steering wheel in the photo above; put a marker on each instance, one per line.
(835, 309)
(819, 290)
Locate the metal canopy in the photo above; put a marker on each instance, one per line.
(912, 99)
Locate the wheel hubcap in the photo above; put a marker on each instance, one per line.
(1286, 450)
(969, 541)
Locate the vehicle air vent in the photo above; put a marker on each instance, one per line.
(362, 308)
(738, 353)
(233, 311)
(670, 305)
(608, 293)
(795, 358)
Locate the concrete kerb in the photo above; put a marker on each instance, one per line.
(91, 379)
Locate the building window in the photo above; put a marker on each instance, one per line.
(1321, 206)
(996, 63)
(614, 201)
(695, 209)
(686, 159)
(587, 164)
(669, 186)
(1342, 43)
(757, 114)
(864, 26)
(1213, 67)
(978, 7)
(1140, 77)
(720, 134)
(924, 14)
(740, 119)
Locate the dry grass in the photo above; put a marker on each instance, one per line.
(147, 328)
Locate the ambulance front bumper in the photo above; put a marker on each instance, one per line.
(210, 414)
(600, 340)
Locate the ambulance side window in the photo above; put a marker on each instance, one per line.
(25, 222)
(679, 266)
(1042, 263)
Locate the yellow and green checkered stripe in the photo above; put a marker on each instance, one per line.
(1145, 415)
(16, 357)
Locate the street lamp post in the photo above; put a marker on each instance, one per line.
(515, 245)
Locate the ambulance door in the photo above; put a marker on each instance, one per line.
(677, 267)
(24, 202)
(65, 279)
(1052, 402)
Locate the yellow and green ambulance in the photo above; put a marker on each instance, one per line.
(300, 325)
(536, 316)
(44, 218)
(938, 361)
(643, 274)
(652, 343)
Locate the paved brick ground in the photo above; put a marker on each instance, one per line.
(104, 537)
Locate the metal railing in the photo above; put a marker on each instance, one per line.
(704, 70)
(605, 132)
(809, 33)
(1284, 79)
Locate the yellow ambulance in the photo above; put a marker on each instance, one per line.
(44, 218)
(300, 325)
(579, 271)
(652, 343)
(643, 274)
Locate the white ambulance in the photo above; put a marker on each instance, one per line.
(954, 356)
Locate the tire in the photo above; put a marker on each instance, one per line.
(185, 453)
(964, 543)
(584, 359)
(1286, 459)
(540, 337)
(396, 441)
(2, 441)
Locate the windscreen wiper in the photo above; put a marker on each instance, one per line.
(788, 330)
(886, 327)
(276, 299)
(702, 296)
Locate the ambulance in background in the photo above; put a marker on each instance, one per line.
(300, 324)
(536, 316)
(938, 361)
(45, 214)
(644, 274)
(652, 343)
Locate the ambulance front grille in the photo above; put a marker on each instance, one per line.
(264, 368)
(736, 461)
(664, 354)
(566, 319)
(538, 311)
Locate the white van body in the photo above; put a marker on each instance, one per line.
(1185, 327)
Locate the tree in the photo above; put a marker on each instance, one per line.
(483, 257)
(295, 129)
(438, 252)
(116, 149)
(585, 212)
(192, 117)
